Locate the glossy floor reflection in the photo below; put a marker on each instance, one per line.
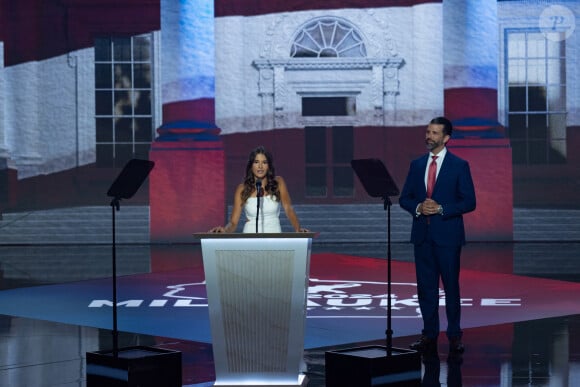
(540, 352)
(543, 352)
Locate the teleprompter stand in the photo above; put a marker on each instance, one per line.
(137, 365)
(375, 365)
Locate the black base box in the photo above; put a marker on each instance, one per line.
(137, 366)
(372, 366)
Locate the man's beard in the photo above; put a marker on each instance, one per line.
(431, 145)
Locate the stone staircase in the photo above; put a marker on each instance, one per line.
(543, 225)
(352, 223)
(75, 225)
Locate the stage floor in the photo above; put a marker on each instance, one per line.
(520, 308)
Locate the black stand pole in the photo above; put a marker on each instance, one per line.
(137, 365)
(389, 332)
(257, 210)
(124, 187)
(378, 183)
(115, 206)
(258, 194)
(363, 366)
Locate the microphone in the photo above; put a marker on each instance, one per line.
(258, 194)
(258, 188)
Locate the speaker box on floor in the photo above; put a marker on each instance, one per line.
(372, 366)
(134, 366)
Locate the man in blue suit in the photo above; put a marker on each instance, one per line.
(438, 232)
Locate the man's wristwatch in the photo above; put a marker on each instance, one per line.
(440, 210)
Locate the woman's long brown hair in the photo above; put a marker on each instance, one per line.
(250, 181)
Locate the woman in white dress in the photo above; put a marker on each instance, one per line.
(261, 185)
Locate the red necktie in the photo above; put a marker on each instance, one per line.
(431, 176)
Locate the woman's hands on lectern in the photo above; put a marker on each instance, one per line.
(223, 229)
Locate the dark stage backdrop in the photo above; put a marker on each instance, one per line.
(49, 157)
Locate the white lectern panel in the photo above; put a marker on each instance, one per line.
(256, 289)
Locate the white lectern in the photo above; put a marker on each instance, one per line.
(256, 288)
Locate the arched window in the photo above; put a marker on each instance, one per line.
(328, 38)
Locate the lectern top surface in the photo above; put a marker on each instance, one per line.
(218, 235)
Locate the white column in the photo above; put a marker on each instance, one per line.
(3, 146)
(470, 43)
(470, 59)
(187, 50)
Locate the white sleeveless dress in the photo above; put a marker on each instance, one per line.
(269, 215)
